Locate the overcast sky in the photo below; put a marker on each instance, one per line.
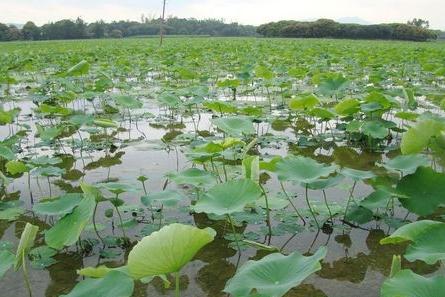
(244, 11)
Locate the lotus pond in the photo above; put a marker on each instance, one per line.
(222, 167)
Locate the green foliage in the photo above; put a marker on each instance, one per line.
(274, 275)
(167, 250)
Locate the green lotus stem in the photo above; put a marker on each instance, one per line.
(95, 227)
(177, 294)
(120, 218)
(29, 188)
(267, 210)
(292, 204)
(25, 275)
(327, 205)
(224, 168)
(349, 200)
(143, 186)
(49, 186)
(234, 233)
(310, 207)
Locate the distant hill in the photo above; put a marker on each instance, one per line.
(353, 20)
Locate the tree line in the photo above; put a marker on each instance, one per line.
(415, 30)
(79, 29)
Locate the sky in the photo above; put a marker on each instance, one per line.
(253, 12)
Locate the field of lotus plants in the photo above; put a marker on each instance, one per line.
(222, 167)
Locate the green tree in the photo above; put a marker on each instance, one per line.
(420, 23)
(31, 32)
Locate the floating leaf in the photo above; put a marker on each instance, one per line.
(167, 250)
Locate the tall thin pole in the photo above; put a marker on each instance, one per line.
(161, 31)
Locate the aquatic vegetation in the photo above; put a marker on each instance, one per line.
(247, 167)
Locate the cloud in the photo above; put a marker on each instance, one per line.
(243, 11)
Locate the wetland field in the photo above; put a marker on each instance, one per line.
(214, 167)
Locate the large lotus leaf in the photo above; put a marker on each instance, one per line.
(228, 197)
(48, 171)
(58, 206)
(167, 250)
(167, 198)
(377, 199)
(324, 183)
(128, 101)
(424, 191)
(7, 259)
(427, 239)
(220, 107)
(6, 153)
(406, 164)
(251, 168)
(321, 113)
(347, 107)
(25, 244)
(303, 103)
(193, 176)
(418, 137)
(235, 126)
(408, 284)
(68, 229)
(357, 175)
(16, 167)
(80, 68)
(379, 99)
(374, 129)
(302, 169)
(118, 188)
(333, 84)
(274, 275)
(114, 284)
